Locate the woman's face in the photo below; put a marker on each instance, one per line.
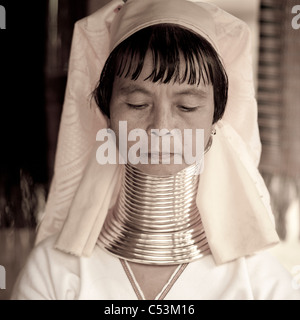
(146, 105)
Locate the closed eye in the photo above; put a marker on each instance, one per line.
(187, 109)
(137, 106)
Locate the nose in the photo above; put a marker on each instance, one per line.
(160, 132)
(161, 119)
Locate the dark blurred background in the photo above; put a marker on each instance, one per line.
(34, 53)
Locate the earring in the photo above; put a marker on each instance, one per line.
(210, 141)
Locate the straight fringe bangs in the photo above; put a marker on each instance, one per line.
(177, 55)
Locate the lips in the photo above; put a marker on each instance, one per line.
(160, 154)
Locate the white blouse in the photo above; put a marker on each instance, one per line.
(53, 275)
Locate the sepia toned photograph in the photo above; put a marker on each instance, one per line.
(150, 151)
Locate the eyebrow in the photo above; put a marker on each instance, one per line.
(192, 92)
(133, 88)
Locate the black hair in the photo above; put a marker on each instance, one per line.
(170, 45)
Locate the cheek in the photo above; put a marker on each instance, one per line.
(118, 114)
(115, 119)
(208, 125)
(114, 123)
(204, 122)
(207, 134)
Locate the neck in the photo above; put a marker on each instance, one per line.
(156, 219)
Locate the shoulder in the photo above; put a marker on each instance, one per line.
(51, 274)
(46, 250)
(48, 274)
(46, 256)
(269, 279)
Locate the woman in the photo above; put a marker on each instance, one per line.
(151, 227)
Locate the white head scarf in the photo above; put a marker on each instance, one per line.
(232, 198)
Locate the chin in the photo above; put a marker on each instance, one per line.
(161, 169)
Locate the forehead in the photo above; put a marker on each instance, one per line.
(125, 87)
(179, 73)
